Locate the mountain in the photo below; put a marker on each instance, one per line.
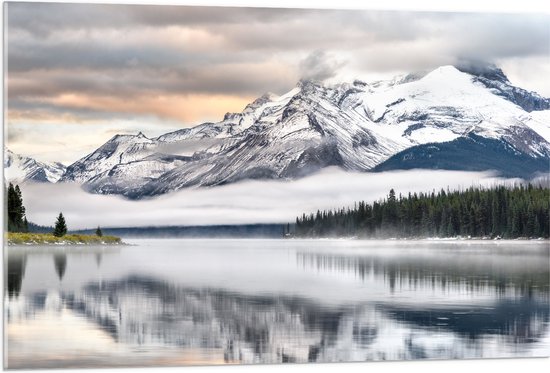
(19, 168)
(121, 149)
(491, 154)
(356, 126)
(494, 79)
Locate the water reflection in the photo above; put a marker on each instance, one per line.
(498, 273)
(98, 258)
(147, 312)
(520, 321)
(15, 271)
(406, 307)
(60, 262)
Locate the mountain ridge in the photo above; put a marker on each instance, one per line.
(356, 126)
(19, 168)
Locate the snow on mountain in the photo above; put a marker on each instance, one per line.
(538, 122)
(446, 104)
(18, 168)
(494, 79)
(355, 126)
(120, 149)
(128, 178)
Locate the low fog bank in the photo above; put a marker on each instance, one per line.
(201, 231)
(249, 202)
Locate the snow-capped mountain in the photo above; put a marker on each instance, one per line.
(121, 149)
(356, 126)
(18, 168)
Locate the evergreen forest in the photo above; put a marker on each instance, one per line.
(502, 211)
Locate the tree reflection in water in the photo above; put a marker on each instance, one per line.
(15, 271)
(413, 307)
(60, 263)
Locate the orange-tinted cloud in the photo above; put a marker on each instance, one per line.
(42, 116)
(185, 108)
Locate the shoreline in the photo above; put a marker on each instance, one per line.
(112, 241)
(356, 239)
(426, 239)
(48, 239)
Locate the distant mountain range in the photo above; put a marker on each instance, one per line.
(19, 168)
(457, 118)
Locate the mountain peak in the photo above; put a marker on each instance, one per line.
(265, 98)
(20, 168)
(308, 83)
(483, 70)
(118, 138)
(492, 77)
(355, 126)
(445, 70)
(447, 74)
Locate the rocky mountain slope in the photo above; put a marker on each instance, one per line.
(356, 126)
(18, 168)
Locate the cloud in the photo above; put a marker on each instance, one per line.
(491, 36)
(527, 72)
(319, 65)
(75, 63)
(119, 36)
(185, 108)
(240, 203)
(54, 141)
(15, 134)
(41, 19)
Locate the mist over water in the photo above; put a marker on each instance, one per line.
(247, 202)
(177, 302)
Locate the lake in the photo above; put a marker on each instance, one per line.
(175, 302)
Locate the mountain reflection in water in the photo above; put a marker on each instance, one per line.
(406, 306)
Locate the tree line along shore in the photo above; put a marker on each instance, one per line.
(520, 211)
(19, 228)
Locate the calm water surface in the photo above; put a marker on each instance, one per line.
(178, 302)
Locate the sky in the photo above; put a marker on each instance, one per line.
(77, 74)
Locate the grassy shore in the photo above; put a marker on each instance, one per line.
(68, 239)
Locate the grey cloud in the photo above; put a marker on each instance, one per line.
(41, 19)
(319, 65)
(447, 38)
(268, 29)
(15, 134)
(60, 48)
(188, 15)
(38, 112)
(84, 53)
(233, 79)
(498, 36)
(481, 36)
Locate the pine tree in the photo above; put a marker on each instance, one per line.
(60, 228)
(519, 211)
(98, 232)
(16, 210)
